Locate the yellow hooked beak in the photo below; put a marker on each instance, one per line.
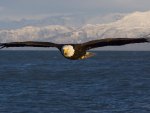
(65, 52)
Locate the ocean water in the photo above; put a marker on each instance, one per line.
(45, 82)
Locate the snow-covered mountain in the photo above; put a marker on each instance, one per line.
(33, 33)
(76, 20)
(132, 25)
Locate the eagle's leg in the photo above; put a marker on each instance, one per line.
(87, 55)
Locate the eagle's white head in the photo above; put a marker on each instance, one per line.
(68, 50)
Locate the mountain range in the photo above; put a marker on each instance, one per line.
(131, 25)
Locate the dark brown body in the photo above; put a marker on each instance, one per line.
(80, 51)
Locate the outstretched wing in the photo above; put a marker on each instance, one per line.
(28, 44)
(113, 42)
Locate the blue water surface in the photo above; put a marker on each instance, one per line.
(45, 82)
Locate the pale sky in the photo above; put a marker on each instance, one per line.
(26, 8)
(43, 7)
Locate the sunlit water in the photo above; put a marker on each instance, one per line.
(45, 82)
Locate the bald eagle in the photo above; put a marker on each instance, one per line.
(78, 51)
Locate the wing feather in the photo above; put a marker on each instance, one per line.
(29, 44)
(113, 42)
